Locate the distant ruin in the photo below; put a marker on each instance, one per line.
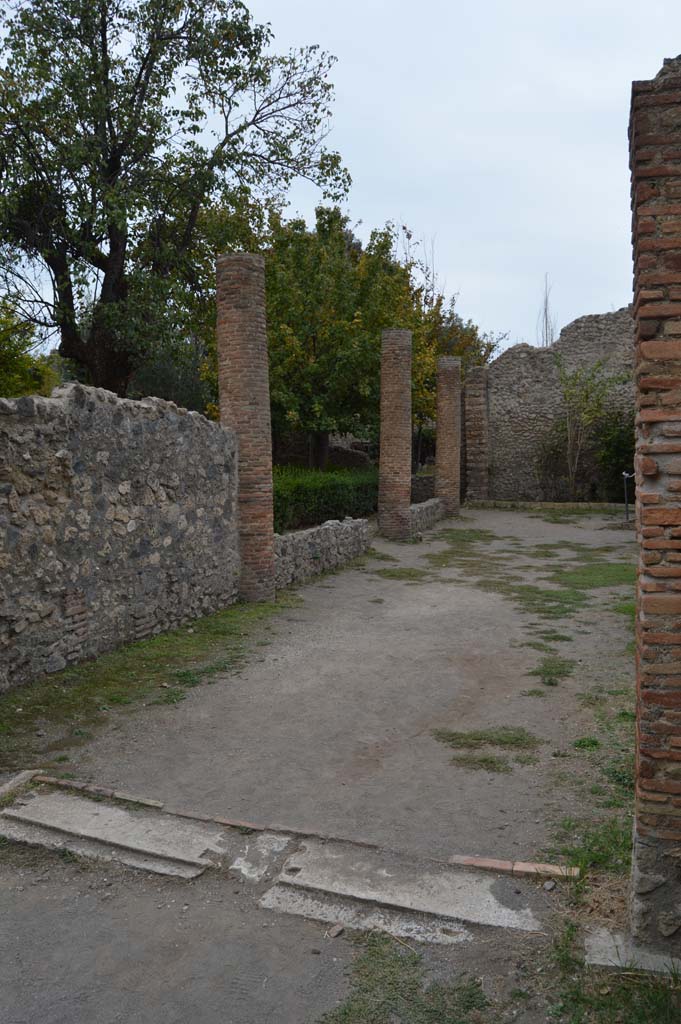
(511, 404)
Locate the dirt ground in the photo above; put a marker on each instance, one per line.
(330, 728)
(470, 694)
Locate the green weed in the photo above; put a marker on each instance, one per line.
(601, 996)
(604, 845)
(552, 669)
(504, 736)
(388, 986)
(481, 762)
(587, 743)
(403, 573)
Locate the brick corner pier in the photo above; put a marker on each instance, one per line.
(655, 141)
(448, 439)
(394, 477)
(477, 434)
(243, 377)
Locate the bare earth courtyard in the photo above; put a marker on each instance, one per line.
(472, 694)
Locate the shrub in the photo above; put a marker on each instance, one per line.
(306, 497)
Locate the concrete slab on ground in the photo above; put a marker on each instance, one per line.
(394, 880)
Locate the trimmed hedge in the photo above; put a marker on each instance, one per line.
(307, 497)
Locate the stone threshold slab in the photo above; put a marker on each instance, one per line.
(527, 868)
(604, 948)
(394, 880)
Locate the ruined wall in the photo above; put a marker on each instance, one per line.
(426, 514)
(524, 399)
(117, 520)
(302, 554)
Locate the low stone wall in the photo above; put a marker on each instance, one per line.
(117, 521)
(302, 554)
(426, 514)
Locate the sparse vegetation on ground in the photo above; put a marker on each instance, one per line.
(154, 671)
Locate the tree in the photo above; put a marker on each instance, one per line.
(328, 298)
(121, 122)
(585, 393)
(21, 371)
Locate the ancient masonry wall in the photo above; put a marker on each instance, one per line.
(117, 521)
(425, 514)
(655, 137)
(505, 429)
(302, 554)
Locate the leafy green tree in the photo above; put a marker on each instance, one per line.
(121, 123)
(328, 298)
(21, 371)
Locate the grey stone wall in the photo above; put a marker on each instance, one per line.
(117, 521)
(426, 514)
(524, 396)
(302, 554)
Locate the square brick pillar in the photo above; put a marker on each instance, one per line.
(655, 138)
(243, 377)
(448, 439)
(476, 421)
(394, 477)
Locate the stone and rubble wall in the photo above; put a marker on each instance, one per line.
(302, 554)
(424, 515)
(508, 419)
(117, 521)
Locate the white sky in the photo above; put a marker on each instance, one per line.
(498, 129)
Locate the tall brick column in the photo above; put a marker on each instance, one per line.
(655, 138)
(394, 480)
(448, 441)
(243, 376)
(476, 421)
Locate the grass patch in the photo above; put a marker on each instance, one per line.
(482, 763)
(587, 743)
(526, 759)
(552, 669)
(596, 574)
(388, 986)
(504, 736)
(533, 693)
(491, 570)
(552, 637)
(604, 845)
(627, 608)
(78, 698)
(611, 997)
(403, 573)
(380, 556)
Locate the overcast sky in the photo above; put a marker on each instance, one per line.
(496, 128)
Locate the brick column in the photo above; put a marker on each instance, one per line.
(476, 420)
(243, 376)
(448, 440)
(394, 480)
(655, 137)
